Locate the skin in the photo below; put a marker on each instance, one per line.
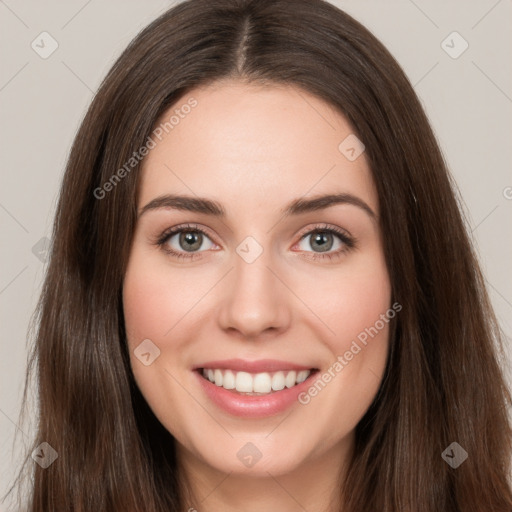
(254, 149)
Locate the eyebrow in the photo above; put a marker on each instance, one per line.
(296, 207)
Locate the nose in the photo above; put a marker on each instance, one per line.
(254, 301)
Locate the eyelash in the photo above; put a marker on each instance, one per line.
(349, 242)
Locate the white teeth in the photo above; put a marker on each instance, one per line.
(229, 380)
(258, 383)
(262, 383)
(278, 381)
(243, 382)
(289, 380)
(301, 376)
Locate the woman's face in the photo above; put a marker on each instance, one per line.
(265, 287)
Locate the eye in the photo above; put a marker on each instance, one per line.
(185, 241)
(188, 241)
(323, 239)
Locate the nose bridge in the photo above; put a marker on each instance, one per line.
(254, 300)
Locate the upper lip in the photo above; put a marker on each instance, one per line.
(259, 366)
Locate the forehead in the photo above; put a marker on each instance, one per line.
(254, 146)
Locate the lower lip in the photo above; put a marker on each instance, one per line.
(248, 406)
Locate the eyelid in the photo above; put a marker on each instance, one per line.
(324, 227)
(163, 237)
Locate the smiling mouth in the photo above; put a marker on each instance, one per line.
(255, 384)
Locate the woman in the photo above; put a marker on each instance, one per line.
(261, 293)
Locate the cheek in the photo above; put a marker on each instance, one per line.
(153, 302)
(350, 302)
(154, 298)
(358, 313)
(355, 305)
(144, 307)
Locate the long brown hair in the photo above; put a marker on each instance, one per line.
(443, 382)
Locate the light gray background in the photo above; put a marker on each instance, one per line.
(42, 101)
